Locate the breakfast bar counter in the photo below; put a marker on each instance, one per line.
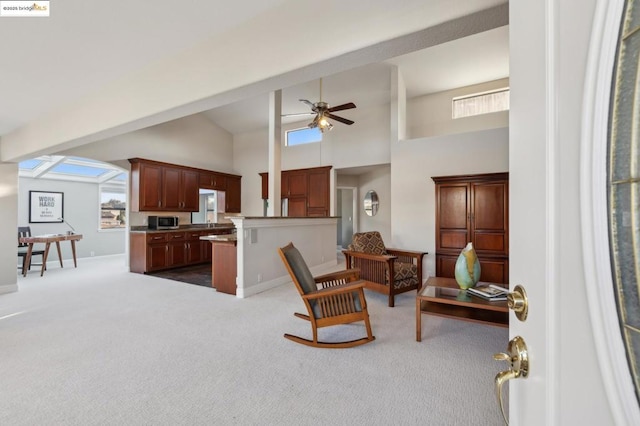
(223, 262)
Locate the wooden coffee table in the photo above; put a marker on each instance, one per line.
(442, 297)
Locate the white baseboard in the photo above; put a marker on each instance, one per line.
(8, 288)
(324, 268)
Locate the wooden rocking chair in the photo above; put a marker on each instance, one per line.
(340, 300)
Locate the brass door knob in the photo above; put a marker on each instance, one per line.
(518, 302)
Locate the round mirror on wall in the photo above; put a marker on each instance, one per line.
(371, 203)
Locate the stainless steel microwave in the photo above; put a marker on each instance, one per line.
(163, 222)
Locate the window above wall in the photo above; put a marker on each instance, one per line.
(302, 136)
(480, 103)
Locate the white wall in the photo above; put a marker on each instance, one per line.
(81, 210)
(8, 226)
(192, 141)
(413, 164)
(430, 115)
(378, 180)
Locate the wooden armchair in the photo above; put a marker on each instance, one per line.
(385, 270)
(340, 300)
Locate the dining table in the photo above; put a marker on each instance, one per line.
(47, 239)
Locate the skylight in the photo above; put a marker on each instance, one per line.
(77, 169)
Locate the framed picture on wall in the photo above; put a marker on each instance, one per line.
(46, 207)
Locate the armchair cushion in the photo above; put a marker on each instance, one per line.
(368, 242)
(404, 271)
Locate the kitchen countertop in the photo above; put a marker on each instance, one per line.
(190, 227)
(222, 237)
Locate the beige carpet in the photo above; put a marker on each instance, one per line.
(97, 345)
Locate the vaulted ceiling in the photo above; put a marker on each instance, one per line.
(80, 59)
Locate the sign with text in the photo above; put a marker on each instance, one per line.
(25, 9)
(45, 207)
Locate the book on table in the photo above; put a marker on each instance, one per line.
(490, 292)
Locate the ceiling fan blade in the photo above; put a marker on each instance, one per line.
(296, 114)
(349, 105)
(340, 119)
(307, 102)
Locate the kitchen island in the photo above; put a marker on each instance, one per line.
(223, 261)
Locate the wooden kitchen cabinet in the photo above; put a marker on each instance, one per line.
(164, 187)
(177, 249)
(149, 252)
(233, 194)
(318, 193)
(180, 189)
(307, 191)
(146, 181)
(296, 183)
(155, 251)
(158, 256)
(473, 208)
(211, 180)
(194, 247)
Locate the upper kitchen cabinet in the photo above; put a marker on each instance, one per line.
(179, 189)
(157, 186)
(211, 180)
(233, 194)
(307, 191)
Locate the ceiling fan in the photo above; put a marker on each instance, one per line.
(323, 112)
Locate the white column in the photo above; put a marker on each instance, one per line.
(275, 144)
(9, 227)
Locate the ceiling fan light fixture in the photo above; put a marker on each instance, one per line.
(323, 124)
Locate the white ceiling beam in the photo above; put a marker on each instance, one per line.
(47, 165)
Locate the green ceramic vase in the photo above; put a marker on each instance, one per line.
(467, 269)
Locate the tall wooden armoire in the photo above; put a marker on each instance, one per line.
(473, 208)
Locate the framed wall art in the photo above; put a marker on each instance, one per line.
(46, 207)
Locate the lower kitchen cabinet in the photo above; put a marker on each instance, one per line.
(155, 251)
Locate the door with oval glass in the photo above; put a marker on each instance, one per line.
(562, 85)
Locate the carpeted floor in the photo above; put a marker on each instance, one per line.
(98, 345)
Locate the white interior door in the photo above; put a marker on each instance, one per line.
(551, 90)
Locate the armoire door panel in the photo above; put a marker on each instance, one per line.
(494, 271)
(453, 239)
(489, 206)
(489, 242)
(452, 206)
(446, 266)
(491, 270)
